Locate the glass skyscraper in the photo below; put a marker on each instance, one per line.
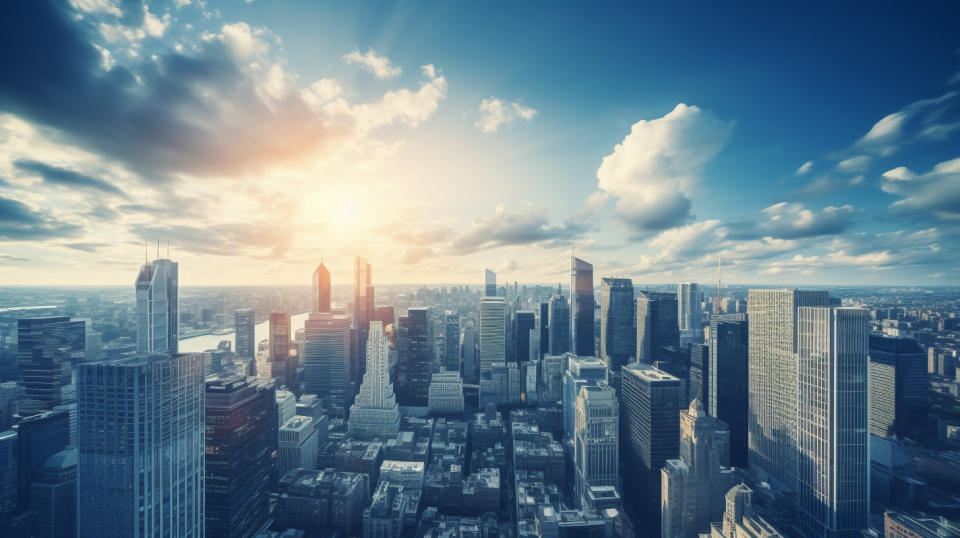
(326, 360)
(362, 294)
(656, 325)
(45, 349)
(898, 387)
(141, 447)
(158, 307)
(451, 340)
(618, 338)
(524, 321)
(689, 313)
(245, 336)
(493, 345)
(414, 358)
(728, 380)
(321, 289)
(489, 283)
(559, 334)
(581, 306)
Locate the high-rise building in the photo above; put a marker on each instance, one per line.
(297, 445)
(559, 334)
(451, 340)
(492, 334)
(414, 358)
(739, 518)
(321, 288)
(898, 388)
(689, 313)
(241, 438)
(694, 485)
(524, 322)
(38, 437)
(8, 475)
(729, 380)
(375, 412)
(53, 496)
(918, 525)
(45, 349)
(699, 379)
(773, 379)
(280, 360)
(544, 329)
(656, 325)
(833, 462)
(244, 334)
(362, 294)
(580, 372)
(468, 348)
(618, 336)
(581, 306)
(596, 441)
(326, 360)
(446, 393)
(489, 283)
(649, 436)
(158, 308)
(140, 457)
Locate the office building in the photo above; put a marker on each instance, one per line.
(38, 437)
(46, 347)
(362, 294)
(694, 485)
(918, 525)
(241, 428)
(740, 520)
(492, 333)
(245, 334)
(656, 325)
(408, 474)
(649, 436)
(414, 358)
(8, 475)
(158, 308)
(281, 363)
(580, 372)
(729, 380)
(550, 389)
(446, 393)
(689, 313)
(833, 462)
(898, 388)
(699, 376)
(544, 329)
(581, 307)
(468, 349)
(618, 336)
(297, 447)
(559, 334)
(140, 457)
(451, 340)
(321, 288)
(53, 496)
(772, 415)
(525, 323)
(596, 456)
(375, 413)
(326, 360)
(489, 283)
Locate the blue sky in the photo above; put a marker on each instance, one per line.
(802, 144)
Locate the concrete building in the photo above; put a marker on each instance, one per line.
(297, 445)
(318, 501)
(739, 518)
(581, 371)
(492, 332)
(446, 393)
(375, 413)
(596, 455)
(408, 474)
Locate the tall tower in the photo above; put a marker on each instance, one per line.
(451, 340)
(375, 412)
(362, 293)
(524, 321)
(559, 333)
(158, 320)
(280, 361)
(244, 333)
(772, 346)
(581, 306)
(656, 324)
(489, 283)
(898, 387)
(688, 313)
(492, 335)
(45, 347)
(833, 463)
(728, 380)
(140, 436)
(618, 340)
(326, 359)
(596, 440)
(321, 288)
(414, 358)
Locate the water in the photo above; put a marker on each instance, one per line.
(261, 332)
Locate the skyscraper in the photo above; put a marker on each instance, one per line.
(451, 340)
(375, 412)
(45, 347)
(468, 348)
(362, 293)
(280, 361)
(241, 439)
(581, 306)
(559, 337)
(580, 372)
(158, 308)
(544, 329)
(728, 380)
(689, 313)
(38, 437)
(297, 444)
(649, 436)
(414, 358)
(489, 283)
(618, 338)
(492, 334)
(833, 462)
(141, 447)
(53, 496)
(898, 387)
(321, 288)
(524, 322)
(326, 360)
(245, 335)
(773, 380)
(596, 441)
(656, 325)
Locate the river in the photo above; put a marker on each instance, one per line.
(261, 331)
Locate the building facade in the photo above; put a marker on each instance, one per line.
(596, 456)
(326, 360)
(618, 335)
(375, 412)
(581, 307)
(656, 325)
(158, 307)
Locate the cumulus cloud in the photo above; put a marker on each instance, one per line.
(512, 228)
(934, 195)
(652, 171)
(495, 112)
(792, 221)
(399, 106)
(379, 66)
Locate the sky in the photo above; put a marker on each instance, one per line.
(798, 144)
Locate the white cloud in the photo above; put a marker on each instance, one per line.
(97, 6)
(495, 112)
(934, 195)
(153, 25)
(398, 106)
(885, 136)
(804, 168)
(854, 164)
(790, 221)
(379, 66)
(654, 169)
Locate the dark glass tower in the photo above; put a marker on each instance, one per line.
(728, 380)
(524, 322)
(544, 329)
(414, 364)
(280, 348)
(45, 348)
(618, 337)
(700, 373)
(559, 337)
(898, 387)
(38, 437)
(451, 340)
(656, 325)
(244, 324)
(241, 438)
(489, 283)
(581, 306)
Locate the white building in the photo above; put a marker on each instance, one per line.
(375, 412)
(689, 313)
(596, 440)
(298, 444)
(408, 474)
(158, 308)
(446, 392)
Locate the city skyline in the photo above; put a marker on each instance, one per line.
(255, 138)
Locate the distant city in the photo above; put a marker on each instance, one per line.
(596, 407)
